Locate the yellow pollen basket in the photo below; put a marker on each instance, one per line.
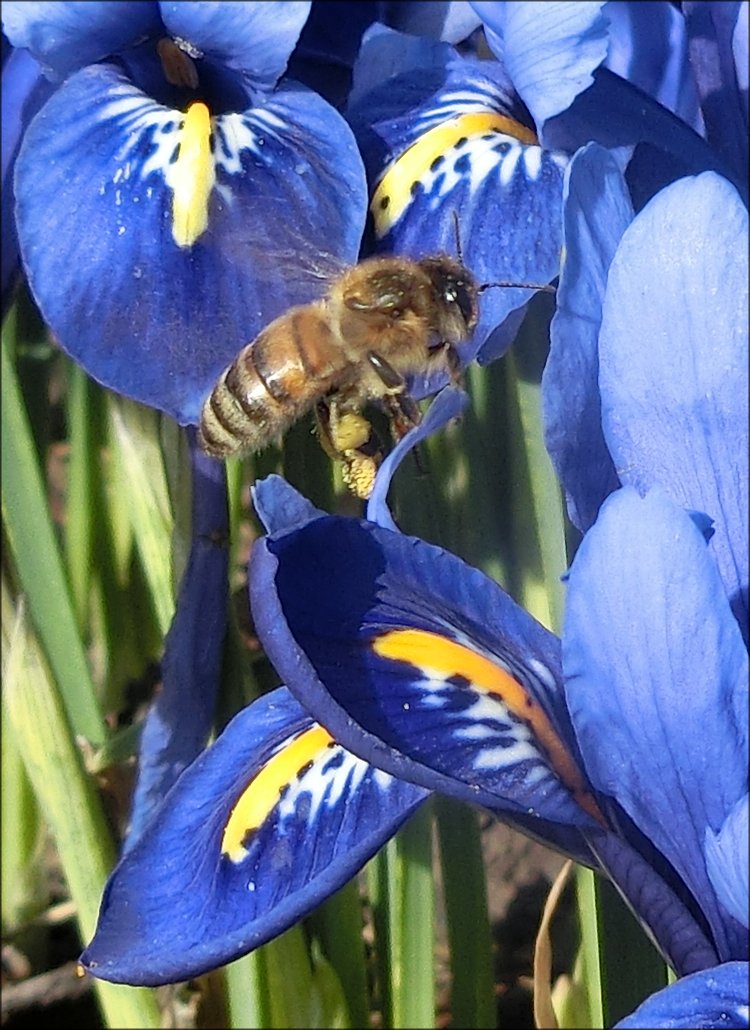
(394, 190)
(262, 794)
(192, 177)
(434, 653)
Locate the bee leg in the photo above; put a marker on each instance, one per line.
(347, 437)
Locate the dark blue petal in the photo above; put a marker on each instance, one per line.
(549, 50)
(648, 47)
(719, 67)
(180, 719)
(715, 999)
(67, 36)
(328, 47)
(24, 91)
(254, 38)
(727, 861)
(423, 667)
(657, 684)
(150, 317)
(448, 404)
(673, 367)
(280, 507)
(448, 21)
(597, 210)
(616, 113)
(672, 922)
(268, 822)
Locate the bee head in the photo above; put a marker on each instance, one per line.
(454, 287)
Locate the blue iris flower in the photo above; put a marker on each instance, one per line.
(624, 745)
(176, 192)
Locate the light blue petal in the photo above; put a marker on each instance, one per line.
(657, 683)
(254, 38)
(264, 825)
(549, 50)
(715, 999)
(153, 320)
(597, 210)
(280, 507)
(673, 360)
(727, 861)
(448, 404)
(66, 36)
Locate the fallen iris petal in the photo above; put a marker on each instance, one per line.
(382, 640)
(597, 210)
(714, 999)
(67, 36)
(263, 826)
(673, 362)
(667, 691)
(152, 319)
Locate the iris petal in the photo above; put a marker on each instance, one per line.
(280, 507)
(24, 90)
(382, 642)
(230, 860)
(673, 361)
(715, 999)
(597, 210)
(648, 47)
(727, 861)
(656, 683)
(549, 50)
(254, 38)
(664, 915)
(449, 21)
(448, 404)
(712, 39)
(179, 721)
(68, 36)
(457, 171)
(151, 319)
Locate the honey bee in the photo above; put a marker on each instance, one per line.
(380, 322)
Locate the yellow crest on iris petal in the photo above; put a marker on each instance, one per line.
(192, 177)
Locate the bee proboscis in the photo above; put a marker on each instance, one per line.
(382, 321)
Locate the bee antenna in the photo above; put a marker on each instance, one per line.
(543, 287)
(458, 236)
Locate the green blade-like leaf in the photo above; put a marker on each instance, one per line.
(37, 559)
(70, 805)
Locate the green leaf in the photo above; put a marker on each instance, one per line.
(38, 564)
(70, 805)
(138, 451)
